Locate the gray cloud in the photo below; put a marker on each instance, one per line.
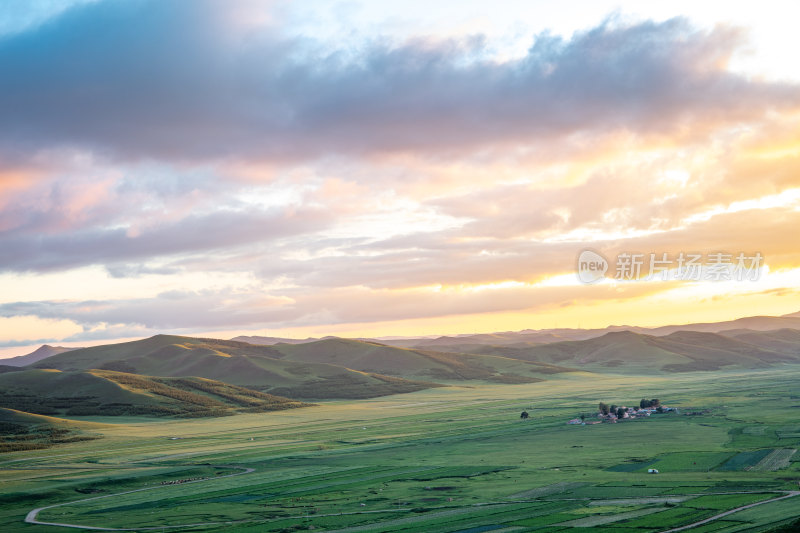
(233, 309)
(166, 80)
(166, 311)
(27, 342)
(196, 233)
(358, 289)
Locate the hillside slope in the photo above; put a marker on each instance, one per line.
(371, 356)
(108, 393)
(785, 341)
(680, 351)
(255, 367)
(21, 431)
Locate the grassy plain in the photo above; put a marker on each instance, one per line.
(456, 458)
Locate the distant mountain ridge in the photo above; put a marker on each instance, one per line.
(745, 343)
(43, 352)
(680, 351)
(546, 336)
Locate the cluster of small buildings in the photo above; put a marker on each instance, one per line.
(627, 412)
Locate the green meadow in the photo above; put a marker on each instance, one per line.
(453, 459)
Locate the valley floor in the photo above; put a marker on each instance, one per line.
(453, 459)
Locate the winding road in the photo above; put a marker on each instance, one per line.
(31, 517)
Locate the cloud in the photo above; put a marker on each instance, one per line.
(497, 254)
(753, 230)
(225, 309)
(196, 233)
(166, 311)
(29, 342)
(173, 80)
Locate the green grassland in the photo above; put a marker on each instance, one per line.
(455, 458)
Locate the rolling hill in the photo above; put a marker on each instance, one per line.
(371, 356)
(508, 338)
(757, 323)
(785, 341)
(109, 393)
(255, 367)
(680, 351)
(530, 337)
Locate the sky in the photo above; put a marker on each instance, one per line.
(390, 168)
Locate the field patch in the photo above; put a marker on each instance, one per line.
(676, 462)
(602, 519)
(744, 460)
(690, 461)
(641, 501)
(610, 492)
(775, 460)
(662, 519)
(547, 490)
(632, 466)
(721, 502)
(788, 432)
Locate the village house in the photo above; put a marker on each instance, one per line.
(623, 413)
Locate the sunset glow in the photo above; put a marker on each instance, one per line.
(387, 168)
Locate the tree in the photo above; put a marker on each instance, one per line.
(620, 412)
(644, 403)
(603, 408)
(583, 417)
(524, 415)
